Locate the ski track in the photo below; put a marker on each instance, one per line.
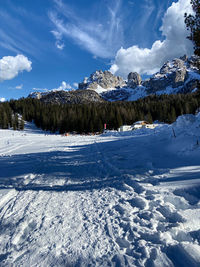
(96, 201)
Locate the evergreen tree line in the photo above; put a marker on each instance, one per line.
(91, 117)
(10, 119)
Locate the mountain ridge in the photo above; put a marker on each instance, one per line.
(180, 75)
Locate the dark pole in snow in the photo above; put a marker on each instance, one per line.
(174, 132)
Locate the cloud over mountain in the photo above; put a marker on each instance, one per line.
(149, 60)
(11, 66)
(63, 86)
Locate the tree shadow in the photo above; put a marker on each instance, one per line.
(92, 166)
(80, 168)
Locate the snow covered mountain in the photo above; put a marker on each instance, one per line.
(176, 76)
(180, 75)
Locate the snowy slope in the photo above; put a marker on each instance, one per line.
(118, 199)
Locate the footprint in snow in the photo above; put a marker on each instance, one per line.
(120, 209)
(170, 216)
(139, 202)
(122, 242)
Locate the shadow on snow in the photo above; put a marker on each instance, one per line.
(93, 166)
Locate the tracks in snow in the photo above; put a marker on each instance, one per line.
(148, 228)
(121, 223)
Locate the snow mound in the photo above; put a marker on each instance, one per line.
(188, 124)
(185, 120)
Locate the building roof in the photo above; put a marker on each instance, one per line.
(140, 122)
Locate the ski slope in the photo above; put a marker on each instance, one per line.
(116, 199)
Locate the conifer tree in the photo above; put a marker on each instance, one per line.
(193, 24)
(5, 121)
(172, 116)
(21, 124)
(119, 121)
(148, 117)
(15, 122)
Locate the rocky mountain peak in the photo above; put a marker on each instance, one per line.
(104, 79)
(171, 66)
(175, 74)
(134, 79)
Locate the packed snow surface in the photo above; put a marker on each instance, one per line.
(116, 199)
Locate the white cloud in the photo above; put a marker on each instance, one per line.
(59, 43)
(10, 66)
(100, 36)
(19, 87)
(64, 86)
(40, 89)
(60, 46)
(75, 85)
(175, 44)
(2, 99)
(57, 35)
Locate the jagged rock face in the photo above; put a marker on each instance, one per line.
(170, 67)
(171, 74)
(71, 97)
(105, 79)
(134, 79)
(155, 85)
(179, 77)
(116, 95)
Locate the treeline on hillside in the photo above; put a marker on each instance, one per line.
(91, 117)
(10, 119)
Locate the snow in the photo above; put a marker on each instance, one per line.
(169, 90)
(116, 199)
(137, 93)
(193, 75)
(101, 90)
(124, 93)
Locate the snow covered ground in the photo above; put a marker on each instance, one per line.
(117, 199)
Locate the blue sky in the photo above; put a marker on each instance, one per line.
(48, 44)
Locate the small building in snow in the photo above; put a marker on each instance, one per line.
(125, 128)
(143, 124)
(151, 126)
(137, 125)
